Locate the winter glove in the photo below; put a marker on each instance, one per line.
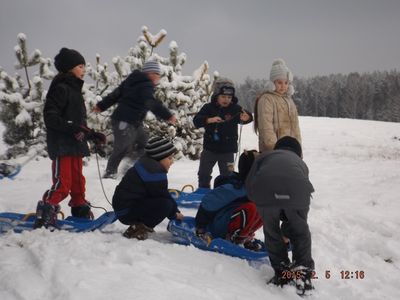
(83, 133)
(97, 137)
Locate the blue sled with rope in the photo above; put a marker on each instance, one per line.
(24, 222)
(184, 233)
(188, 199)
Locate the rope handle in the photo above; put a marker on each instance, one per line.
(187, 185)
(175, 192)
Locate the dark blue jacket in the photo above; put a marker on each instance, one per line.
(145, 181)
(135, 97)
(220, 137)
(64, 112)
(217, 207)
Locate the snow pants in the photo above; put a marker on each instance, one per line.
(295, 227)
(67, 180)
(128, 140)
(150, 212)
(207, 163)
(244, 222)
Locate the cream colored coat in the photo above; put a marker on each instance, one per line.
(277, 117)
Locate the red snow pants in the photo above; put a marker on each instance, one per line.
(67, 180)
(245, 221)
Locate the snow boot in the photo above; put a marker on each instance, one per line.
(254, 245)
(138, 231)
(46, 215)
(282, 275)
(110, 175)
(303, 277)
(82, 211)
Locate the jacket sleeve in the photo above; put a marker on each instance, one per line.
(155, 105)
(55, 104)
(110, 99)
(296, 126)
(267, 136)
(201, 117)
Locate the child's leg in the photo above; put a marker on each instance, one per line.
(244, 222)
(300, 237)
(274, 243)
(61, 173)
(150, 212)
(224, 161)
(207, 162)
(78, 183)
(124, 136)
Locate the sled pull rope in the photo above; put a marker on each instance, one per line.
(101, 183)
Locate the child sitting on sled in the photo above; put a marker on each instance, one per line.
(142, 200)
(226, 212)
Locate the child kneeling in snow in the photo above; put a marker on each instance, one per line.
(226, 212)
(141, 200)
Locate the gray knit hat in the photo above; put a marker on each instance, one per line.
(223, 86)
(151, 66)
(159, 148)
(279, 70)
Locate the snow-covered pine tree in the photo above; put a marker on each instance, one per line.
(22, 102)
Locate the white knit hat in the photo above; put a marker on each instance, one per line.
(279, 70)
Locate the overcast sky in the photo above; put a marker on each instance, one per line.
(237, 38)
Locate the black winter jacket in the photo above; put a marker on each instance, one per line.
(135, 97)
(147, 179)
(64, 111)
(220, 137)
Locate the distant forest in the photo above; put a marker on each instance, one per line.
(369, 96)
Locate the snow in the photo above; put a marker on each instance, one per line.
(354, 220)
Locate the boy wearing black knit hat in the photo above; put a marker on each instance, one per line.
(141, 200)
(67, 134)
(220, 119)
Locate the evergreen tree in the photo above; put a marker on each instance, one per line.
(22, 101)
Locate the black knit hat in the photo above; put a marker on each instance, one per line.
(159, 148)
(289, 143)
(246, 160)
(67, 59)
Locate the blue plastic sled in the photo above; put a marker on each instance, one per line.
(21, 222)
(184, 234)
(189, 200)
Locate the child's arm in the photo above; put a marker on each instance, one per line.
(245, 117)
(205, 117)
(109, 100)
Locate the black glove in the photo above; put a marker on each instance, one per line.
(97, 137)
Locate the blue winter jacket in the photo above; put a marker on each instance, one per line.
(217, 207)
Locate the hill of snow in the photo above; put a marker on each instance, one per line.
(354, 220)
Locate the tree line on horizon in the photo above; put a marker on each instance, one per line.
(367, 96)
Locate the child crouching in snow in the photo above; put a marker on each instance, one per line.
(142, 200)
(226, 212)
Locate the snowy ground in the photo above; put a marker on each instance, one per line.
(354, 220)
